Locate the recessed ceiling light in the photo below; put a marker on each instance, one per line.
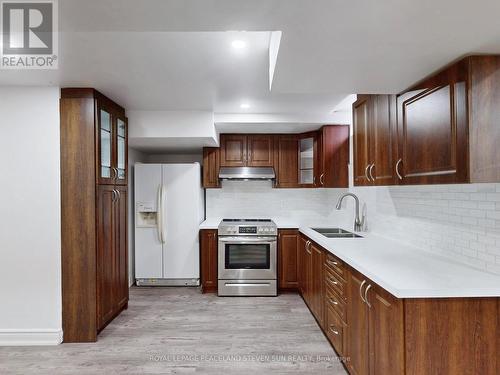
(244, 105)
(239, 44)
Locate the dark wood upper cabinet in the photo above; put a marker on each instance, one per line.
(447, 125)
(333, 156)
(260, 150)
(112, 142)
(286, 161)
(308, 159)
(375, 140)
(211, 164)
(233, 150)
(94, 253)
(208, 260)
(432, 129)
(361, 141)
(242, 150)
(288, 240)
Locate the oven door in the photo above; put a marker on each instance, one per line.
(247, 258)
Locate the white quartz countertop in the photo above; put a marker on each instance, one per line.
(406, 271)
(403, 270)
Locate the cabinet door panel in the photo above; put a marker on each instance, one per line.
(121, 148)
(105, 134)
(386, 333)
(233, 150)
(383, 138)
(211, 162)
(361, 120)
(208, 257)
(334, 155)
(106, 257)
(301, 261)
(357, 320)
(317, 284)
(287, 161)
(432, 130)
(121, 251)
(287, 247)
(260, 150)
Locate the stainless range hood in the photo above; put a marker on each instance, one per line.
(247, 173)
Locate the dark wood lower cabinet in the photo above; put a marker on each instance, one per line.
(288, 240)
(208, 260)
(112, 279)
(380, 334)
(357, 316)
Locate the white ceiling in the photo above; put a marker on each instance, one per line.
(176, 54)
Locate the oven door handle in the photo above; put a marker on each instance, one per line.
(247, 239)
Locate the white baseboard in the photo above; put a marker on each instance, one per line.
(30, 337)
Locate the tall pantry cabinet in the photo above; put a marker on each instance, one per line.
(93, 212)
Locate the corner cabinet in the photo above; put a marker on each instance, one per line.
(93, 212)
(442, 130)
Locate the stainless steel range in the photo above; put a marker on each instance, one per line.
(247, 257)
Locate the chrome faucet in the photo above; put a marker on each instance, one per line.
(358, 223)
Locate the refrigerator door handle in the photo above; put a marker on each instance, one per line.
(158, 214)
(163, 214)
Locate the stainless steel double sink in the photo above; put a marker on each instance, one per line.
(336, 233)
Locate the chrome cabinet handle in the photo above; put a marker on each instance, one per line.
(113, 196)
(332, 262)
(308, 247)
(119, 194)
(333, 281)
(370, 172)
(366, 296)
(366, 172)
(333, 301)
(361, 291)
(397, 169)
(322, 179)
(333, 330)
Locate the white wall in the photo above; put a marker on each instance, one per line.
(30, 227)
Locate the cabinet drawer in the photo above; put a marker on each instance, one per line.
(335, 330)
(333, 281)
(335, 264)
(336, 303)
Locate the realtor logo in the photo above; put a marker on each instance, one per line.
(29, 34)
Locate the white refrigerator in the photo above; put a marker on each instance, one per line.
(169, 207)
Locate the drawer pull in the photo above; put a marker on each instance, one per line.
(332, 262)
(333, 281)
(333, 301)
(333, 330)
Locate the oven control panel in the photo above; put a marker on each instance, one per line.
(248, 230)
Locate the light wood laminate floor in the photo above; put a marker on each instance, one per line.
(180, 331)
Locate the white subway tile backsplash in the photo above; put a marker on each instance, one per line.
(458, 221)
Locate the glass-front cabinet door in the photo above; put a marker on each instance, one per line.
(106, 173)
(121, 150)
(112, 146)
(306, 161)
